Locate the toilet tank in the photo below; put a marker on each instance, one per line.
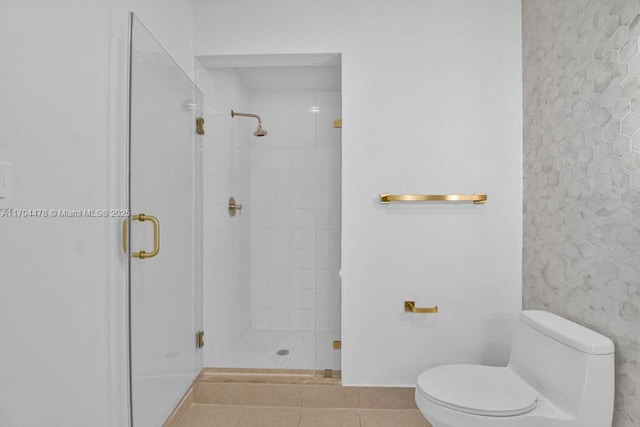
(570, 365)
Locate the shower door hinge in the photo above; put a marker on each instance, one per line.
(200, 126)
(200, 339)
(337, 345)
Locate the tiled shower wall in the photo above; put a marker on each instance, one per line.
(226, 239)
(581, 255)
(295, 211)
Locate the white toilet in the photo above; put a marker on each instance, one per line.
(559, 374)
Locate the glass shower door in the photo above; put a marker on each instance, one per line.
(328, 291)
(165, 243)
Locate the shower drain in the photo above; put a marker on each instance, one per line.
(282, 352)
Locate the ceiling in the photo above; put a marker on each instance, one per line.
(282, 71)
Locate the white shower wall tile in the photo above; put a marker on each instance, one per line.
(226, 240)
(260, 218)
(295, 188)
(280, 238)
(261, 258)
(322, 319)
(279, 278)
(280, 298)
(279, 318)
(303, 278)
(279, 218)
(260, 298)
(302, 159)
(301, 318)
(280, 258)
(261, 238)
(301, 258)
(260, 277)
(301, 238)
(322, 258)
(283, 201)
(281, 178)
(259, 318)
(302, 298)
(304, 199)
(303, 218)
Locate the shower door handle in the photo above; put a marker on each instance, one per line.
(156, 236)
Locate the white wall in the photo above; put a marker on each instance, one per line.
(62, 122)
(431, 104)
(226, 239)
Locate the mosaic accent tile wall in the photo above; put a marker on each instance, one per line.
(581, 255)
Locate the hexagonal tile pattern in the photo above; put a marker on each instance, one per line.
(602, 81)
(621, 145)
(611, 130)
(604, 184)
(635, 142)
(611, 165)
(628, 49)
(634, 64)
(630, 86)
(619, 73)
(630, 237)
(635, 220)
(631, 124)
(587, 250)
(585, 155)
(621, 181)
(610, 96)
(631, 199)
(602, 151)
(621, 108)
(619, 37)
(603, 115)
(630, 161)
(581, 244)
(635, 180)
(633, 29)
(603, 46)
(621, 218)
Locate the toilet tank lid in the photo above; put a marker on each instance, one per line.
(567, 332)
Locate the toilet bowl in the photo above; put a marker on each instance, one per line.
(560, 374)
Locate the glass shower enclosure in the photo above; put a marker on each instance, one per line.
(164, 238)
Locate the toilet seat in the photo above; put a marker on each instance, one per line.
(479, 390)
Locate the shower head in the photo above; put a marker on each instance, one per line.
(259, 131)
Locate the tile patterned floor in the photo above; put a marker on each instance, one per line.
(202, 415)
(302, 398)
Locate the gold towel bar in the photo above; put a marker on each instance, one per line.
(475, 198)
(411, 307)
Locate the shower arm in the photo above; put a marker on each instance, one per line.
(233, 114)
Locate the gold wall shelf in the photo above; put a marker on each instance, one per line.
(475, 198)
(410, 306)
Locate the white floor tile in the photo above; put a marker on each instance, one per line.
(308, 349)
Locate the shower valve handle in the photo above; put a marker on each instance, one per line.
(233, 206)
